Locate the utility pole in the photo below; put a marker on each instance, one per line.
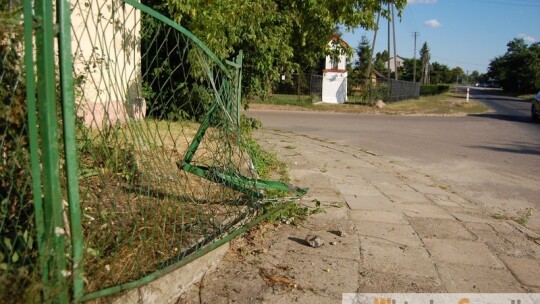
(389, 72)
(395, 47)
(415, 34)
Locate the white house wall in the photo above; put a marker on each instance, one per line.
(106, 52)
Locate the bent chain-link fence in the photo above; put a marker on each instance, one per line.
(142, 164)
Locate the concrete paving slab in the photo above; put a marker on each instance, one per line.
(394, 217)
(393, 282)
(376, 177)
(384, 187)
(386, 232)
(462, 252)
(381, 256)
(327, 197)
(442, 200)
(333, 213)
(475, 226)
(469, 278)
(428, 189)
(503, 227)
(401, 196)
(355, 189)
(526, 270)
(369, 202)
(440, 229)
(475, 218)
(517, 245)
(425, 210)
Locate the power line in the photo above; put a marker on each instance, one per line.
(462, 62)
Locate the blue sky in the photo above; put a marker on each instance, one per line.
(464, 33)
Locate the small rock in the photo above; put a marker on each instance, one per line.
(379, 104)
(332, 243)
(342, 233)
(314, 241)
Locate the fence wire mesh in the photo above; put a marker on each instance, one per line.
(18, 247)
(388, 90)
(149, 100)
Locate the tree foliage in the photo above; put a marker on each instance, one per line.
(406, 72)
(425, 77)
(380, 59)
(518, 70)
(276, 36)
(363, 52)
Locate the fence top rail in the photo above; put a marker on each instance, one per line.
(184, 31)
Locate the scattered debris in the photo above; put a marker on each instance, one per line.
(342, 233)
(277, 279)
(314, 241)
(339, 232)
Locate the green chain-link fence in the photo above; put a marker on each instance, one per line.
(131, 161)
(18, 247)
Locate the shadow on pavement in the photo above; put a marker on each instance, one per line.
(518, 148)
(514, 118)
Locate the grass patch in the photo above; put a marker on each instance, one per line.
(141, 213)
(526, 96)
(523, 219)
(285, 99)
(442, 104)
(448, 103)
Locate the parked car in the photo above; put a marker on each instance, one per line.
(535, 107)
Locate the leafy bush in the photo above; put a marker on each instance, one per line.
(434, 89)
(443, 88)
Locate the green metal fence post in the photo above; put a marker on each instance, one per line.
(70, 145)
(33, 139)
(48, 121)
(239, 87)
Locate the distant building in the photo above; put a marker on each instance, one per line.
(334, 84)
(400, 61)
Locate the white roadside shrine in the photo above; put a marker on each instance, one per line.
(334, 84)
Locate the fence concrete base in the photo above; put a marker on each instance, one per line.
(169, 287)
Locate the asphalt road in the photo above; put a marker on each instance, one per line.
(496, 153)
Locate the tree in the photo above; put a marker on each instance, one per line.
(440, 73)
(474, 77)
(518, 70)
(458, 74)
(363, 51)
(425, 56)
(406, 71)
(380, 62)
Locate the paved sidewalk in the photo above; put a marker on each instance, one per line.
(405, 233)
